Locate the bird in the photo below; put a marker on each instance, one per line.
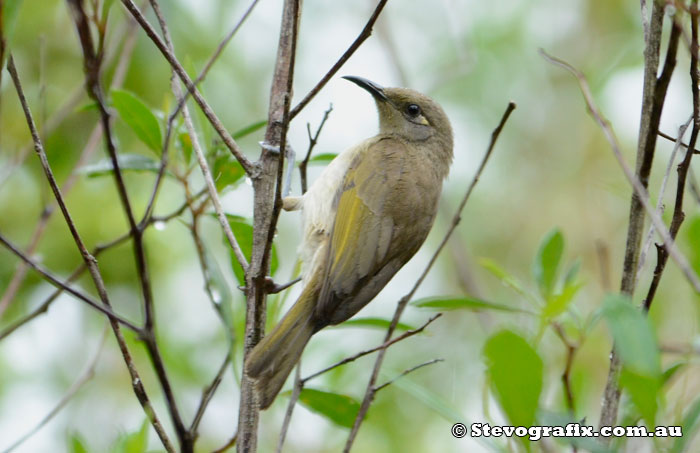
(363, 218)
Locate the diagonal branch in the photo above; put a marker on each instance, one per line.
(401, 306)
(364, 34)
(248, 166)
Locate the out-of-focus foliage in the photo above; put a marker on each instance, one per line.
(522, 283)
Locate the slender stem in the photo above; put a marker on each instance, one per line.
(313, 140)
(405, 372)
(370, 390)
(296, 391)
(230, 143)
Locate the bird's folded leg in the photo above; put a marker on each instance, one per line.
(290, 157)
(273, 288)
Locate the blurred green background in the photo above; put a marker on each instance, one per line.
(552, 170)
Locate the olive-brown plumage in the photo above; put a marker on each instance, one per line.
(365, 216)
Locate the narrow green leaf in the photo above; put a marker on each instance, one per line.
(77, 444)
(375, 323)
(134, 112)
(9, 11)
(105, 9)
(572, 273)
(515, 373)
(671, 371)
(639, 352)
(692, 233)
(505, 278)
(226, 170)
(547, 261)
(463, 303)
(249, 129)
(690, 424)
(559, 303)
(340, 409)
(322, 158)
(184, 142)
(134, 442)
(127, 162)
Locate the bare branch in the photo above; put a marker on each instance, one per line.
(381, 347)
(313, 139)
(296, 391)
(369, 392)
(248, 166)
(641, 192)
(405, 372)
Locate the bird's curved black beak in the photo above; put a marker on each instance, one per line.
(375, 90)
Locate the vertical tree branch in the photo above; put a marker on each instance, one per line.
(653, 98)
(267, 204)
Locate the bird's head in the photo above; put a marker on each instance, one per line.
(409, 114)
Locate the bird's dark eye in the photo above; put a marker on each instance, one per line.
(413, 110)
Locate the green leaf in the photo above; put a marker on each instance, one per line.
(249, 129)
(633, 334)
(340, 409)
(693, 236)
(515, 372)
(639, 352)
(134, 442)
(226, 171)
(127, 162)
(559, 303)
(691, 421)
(322, 158)
(505, 278)
(375, 323)
(139, 118)
(184, 142)
(77, 444)
(105, 9)
(671, 371)
(463, 303)
(243, 232)
(547, 262)
(9, 11)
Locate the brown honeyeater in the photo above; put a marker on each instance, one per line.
(365, 216)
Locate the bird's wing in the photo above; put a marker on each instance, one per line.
(365, 251)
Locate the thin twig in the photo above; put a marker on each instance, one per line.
(208, 394)
(313, 140)
(369, 392)
(381, 347)
(641, 192)
(364, 34)
(67, 288)
(296, 391)
(230, 143)
(405, 372)
(571, 349)
(675, 139)
(660, 197)
(70, 393)
(684, 167)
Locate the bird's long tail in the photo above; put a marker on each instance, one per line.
(271, 360)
